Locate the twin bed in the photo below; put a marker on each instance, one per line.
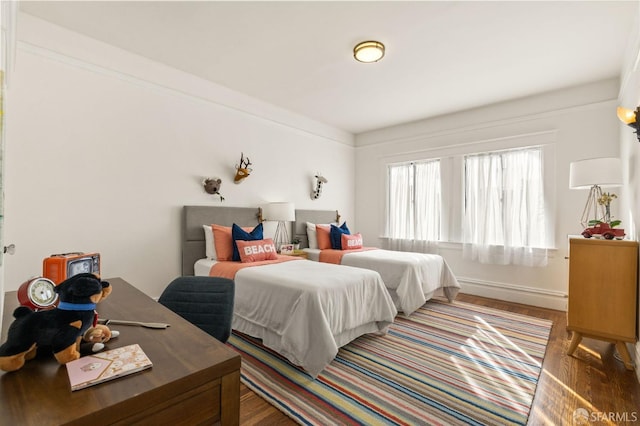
(410, 278)
(307, 310)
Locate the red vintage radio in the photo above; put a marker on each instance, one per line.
(59, 267)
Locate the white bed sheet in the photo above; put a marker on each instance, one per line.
(411, 278)
(307, 310)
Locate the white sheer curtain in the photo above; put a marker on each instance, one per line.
(400, 210)
(504, 220)
(414, 207)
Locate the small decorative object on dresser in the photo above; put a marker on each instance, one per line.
(286, 249)
(603, 293)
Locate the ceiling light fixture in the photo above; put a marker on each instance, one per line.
(368, 51)
(630, 118)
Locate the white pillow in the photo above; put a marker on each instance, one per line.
(209, 243)
(312, 236)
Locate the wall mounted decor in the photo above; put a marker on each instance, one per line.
(315, 194)
(212, 186)
(242, 169)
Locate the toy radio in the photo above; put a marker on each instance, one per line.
(59, 267)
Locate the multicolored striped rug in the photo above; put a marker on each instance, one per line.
(448, 364)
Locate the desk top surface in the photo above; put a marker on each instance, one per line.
(183, 357)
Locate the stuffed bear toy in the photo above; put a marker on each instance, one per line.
(61, 328)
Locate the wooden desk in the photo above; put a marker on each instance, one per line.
(195, 379)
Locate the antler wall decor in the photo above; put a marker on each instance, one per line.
(242, 169)
(315, 194)
(212, 186)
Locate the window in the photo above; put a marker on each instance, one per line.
(504, 213)
(414, 201)
(493, 203)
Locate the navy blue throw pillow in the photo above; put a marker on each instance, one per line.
(335, 235)
(238, 233)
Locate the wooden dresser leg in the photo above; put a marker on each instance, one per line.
(230, 399)
(575, 341)
(623, 351)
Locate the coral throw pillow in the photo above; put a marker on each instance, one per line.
(322, 235)
(222, 242)
(255, 251)
(351, 242)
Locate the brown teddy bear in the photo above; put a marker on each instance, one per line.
(61, 328)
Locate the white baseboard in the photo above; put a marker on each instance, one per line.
(514, 293)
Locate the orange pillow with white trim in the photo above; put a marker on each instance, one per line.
(322, 234)
(256, 250)
(223, 241)
(351, 242)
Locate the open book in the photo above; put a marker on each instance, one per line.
(97, 368)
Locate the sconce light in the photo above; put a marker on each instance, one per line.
(212, 186)
(242, 169)
(315, 194)
(630, 118)
(281, 213)
(368, 51)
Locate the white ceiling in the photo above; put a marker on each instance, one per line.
(441, 56)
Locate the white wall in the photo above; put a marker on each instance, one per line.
(576, 123)
(629, 146)
(104, 147)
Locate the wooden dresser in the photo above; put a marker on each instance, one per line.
(195, 379)
(603, 292)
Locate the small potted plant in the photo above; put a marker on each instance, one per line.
(605, 228)
(296, 243)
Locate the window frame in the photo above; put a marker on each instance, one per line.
(452, 179)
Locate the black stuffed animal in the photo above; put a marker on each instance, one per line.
(61, 328)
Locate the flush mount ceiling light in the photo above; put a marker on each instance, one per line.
(368, 51)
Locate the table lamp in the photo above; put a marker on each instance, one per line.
(281, 213)
(594, 174)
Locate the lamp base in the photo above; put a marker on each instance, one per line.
(281, 236)
(592, 208)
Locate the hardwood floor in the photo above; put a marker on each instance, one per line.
(592, 380)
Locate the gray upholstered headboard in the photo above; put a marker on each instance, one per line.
(313, 216)
(193, 217)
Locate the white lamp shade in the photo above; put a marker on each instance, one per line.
(596, 171)
(279, 212)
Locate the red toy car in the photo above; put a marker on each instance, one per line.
(603, 230)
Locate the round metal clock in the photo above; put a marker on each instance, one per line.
(38, 293)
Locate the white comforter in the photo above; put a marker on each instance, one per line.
(307, 310)
(412, 278)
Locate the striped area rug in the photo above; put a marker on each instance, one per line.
(448, 364)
